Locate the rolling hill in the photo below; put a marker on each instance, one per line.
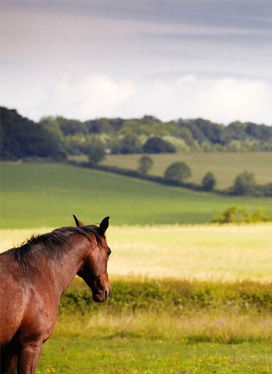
(36, 195)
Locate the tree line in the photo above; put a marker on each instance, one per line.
(150, 135)
(58, 137)
(178, 172)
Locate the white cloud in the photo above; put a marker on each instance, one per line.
(220, 100)
(95, 96)
(99, 95)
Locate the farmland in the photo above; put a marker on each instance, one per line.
(205, 252)
(225, 166)
(187, 297)
(37, 195)
(218, 321)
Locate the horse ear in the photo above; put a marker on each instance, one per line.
(104, 225)
(78, 223)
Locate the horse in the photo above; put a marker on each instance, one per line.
(32, 279)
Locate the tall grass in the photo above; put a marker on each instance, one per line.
(189, 252)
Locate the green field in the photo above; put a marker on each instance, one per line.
(80, 354)
(186, 299)
(225, 166)
(37, 195)
(214, 324)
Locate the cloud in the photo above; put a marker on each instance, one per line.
(221, 100)
(99, 95)
(96, 95)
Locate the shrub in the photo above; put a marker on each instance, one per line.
(158, 145)
(238, 214)
(244, 184)
(130, 144)
(209, 182)
(177, 172)
(145, 164)
(95, 151)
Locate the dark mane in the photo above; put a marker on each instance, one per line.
(56, 242)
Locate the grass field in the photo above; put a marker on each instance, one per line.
(216, 333)
(225, 166)
(189, 252)
(37, 195)
(80, 354)
(204, 339)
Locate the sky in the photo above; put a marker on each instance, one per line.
(130, 58)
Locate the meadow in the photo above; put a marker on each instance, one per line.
(225, 166)
(37, 195)
(196, 252)
(186, 299)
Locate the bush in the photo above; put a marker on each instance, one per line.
(145, 164)
(95, 151)
(130, 144)
(158, 145)
(238, 214)
(175, 296)
(244, 184)
(177, 172)
(209, 182)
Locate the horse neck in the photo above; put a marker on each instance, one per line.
(71, 259)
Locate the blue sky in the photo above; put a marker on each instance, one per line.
(170, 59)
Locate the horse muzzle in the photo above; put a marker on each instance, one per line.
(101, 296)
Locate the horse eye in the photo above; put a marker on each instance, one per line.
(109, 252)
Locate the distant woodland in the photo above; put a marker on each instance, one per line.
(56, 137)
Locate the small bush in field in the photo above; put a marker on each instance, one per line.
(209, 182)
(237, 214)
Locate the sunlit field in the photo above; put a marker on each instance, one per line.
(189, 252)
(225, 166)
(37, 195)
(187, 337)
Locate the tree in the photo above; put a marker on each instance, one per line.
(209, 182)
(145, 164)
(22, 138)
(177, 172)
(244, 184)
(130, 144)
(95, 151)
(158, 145)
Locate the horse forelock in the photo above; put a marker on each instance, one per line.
(55, 242)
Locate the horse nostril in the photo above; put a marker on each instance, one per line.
(106, 294)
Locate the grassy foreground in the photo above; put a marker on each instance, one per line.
(211, 323)
(62, 354)
(158, 336)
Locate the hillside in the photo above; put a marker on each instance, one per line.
(36, 195)
(225, 166)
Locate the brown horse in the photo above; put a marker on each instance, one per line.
(32, 279)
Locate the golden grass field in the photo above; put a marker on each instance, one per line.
(202, 252)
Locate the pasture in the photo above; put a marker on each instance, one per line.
(209, 327)
(37, 195)
(186, 299)
(225, 166)
(203, 252)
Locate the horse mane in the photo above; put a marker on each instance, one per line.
(59, 238)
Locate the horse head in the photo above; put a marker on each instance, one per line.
(94, 269)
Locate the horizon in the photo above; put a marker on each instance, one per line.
(92, 59)
(132, 118)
